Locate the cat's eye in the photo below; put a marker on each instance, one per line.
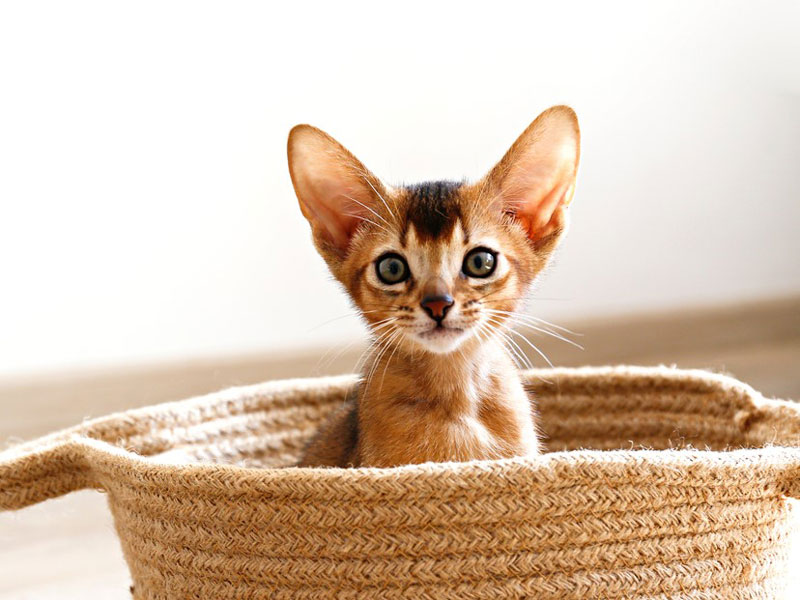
(392, 268)
(479, 262)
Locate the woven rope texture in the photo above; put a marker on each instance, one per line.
(658, 484)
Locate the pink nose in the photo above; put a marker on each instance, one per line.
(437, 306)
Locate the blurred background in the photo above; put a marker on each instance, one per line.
(151, 246)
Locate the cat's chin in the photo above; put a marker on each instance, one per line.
(441, 340)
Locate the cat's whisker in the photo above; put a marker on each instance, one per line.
(534, 346)
(518, 355)
(363, 218)
(540, 320)
(477, 332)
(519, 358)
(364, 357)
(387, 319)
(376, 361)
(322, 364)
(497, 291)
(375, 343)
(382, 199)
(548, 332)
(527, 341)
(383, 324)
(526, 362)
(516, 351)
(386, 366)
(517, 321)
(539, 324)
(377, 326)
(482, 328)
(513, 353)
(371, 369)
(373, 211)
(380, 307)
(340, 317)
(366, 175)
(387, 325)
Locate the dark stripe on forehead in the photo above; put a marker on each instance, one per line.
(433, 209)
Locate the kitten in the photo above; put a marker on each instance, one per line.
(435, 269)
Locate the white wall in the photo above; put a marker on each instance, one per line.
(147, 212)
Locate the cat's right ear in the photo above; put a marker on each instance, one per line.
(336, 192)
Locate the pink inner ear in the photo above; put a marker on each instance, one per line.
(541, 214)
(335, 209)
(535, 179)
(331, 225)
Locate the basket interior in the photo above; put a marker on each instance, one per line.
(268, 425)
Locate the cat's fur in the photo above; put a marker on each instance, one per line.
(446, 389)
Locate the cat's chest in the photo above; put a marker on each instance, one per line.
(411, 425)
(469, 436)
(482, 428)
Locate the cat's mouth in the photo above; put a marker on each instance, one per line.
(440, 331)
(440, 339)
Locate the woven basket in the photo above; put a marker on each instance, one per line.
(701, 513)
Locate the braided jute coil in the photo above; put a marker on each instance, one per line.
(658, 484)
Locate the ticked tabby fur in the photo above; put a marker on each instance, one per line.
(436, 269)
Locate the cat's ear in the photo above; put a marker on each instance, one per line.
(336, 192)
(535, 180)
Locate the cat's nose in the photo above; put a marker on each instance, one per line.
(437, 306)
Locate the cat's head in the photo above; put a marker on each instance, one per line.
(434, 265)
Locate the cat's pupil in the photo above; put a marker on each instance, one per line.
(477, 262)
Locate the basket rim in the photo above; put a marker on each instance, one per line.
(769, 471)
(631, 376)
(683, 458)
(72, 459)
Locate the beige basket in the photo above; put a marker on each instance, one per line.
(662, 523)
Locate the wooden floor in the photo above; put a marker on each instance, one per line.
(66, 548)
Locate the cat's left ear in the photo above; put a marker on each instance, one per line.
(535, 181)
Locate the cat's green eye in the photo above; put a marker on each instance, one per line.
(479, 262)
(392, 268)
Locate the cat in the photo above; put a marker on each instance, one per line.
(436, 269)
